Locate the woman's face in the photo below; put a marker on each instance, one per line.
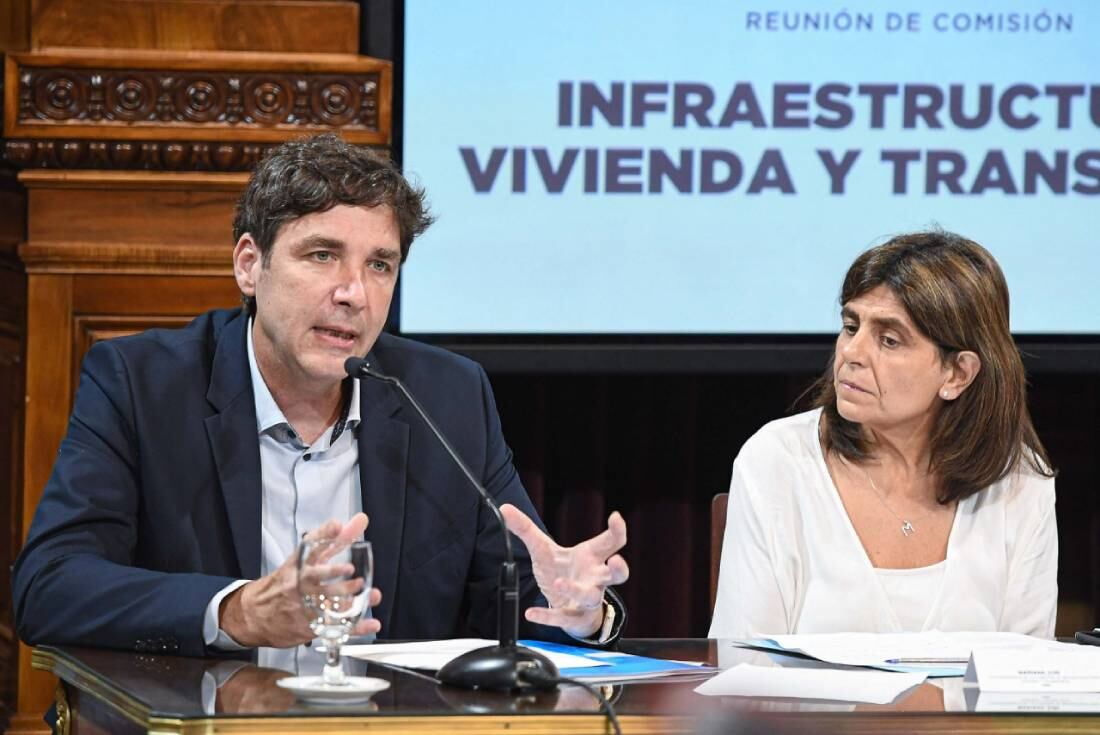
(886, 373)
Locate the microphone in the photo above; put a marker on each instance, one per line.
(506, 666)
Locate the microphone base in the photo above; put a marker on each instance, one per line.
(497, 668)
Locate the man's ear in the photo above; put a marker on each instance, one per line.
(247, 261)
(964, 367)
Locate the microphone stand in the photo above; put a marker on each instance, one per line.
(506, 666)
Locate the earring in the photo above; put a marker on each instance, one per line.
(943, 394)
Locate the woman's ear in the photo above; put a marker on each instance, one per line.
(964, 367)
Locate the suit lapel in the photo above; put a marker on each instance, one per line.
(233, 442)
(383, 455)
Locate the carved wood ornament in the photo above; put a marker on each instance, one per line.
(108, 96)
(125, 113)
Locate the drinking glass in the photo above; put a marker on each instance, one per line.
(334, 580)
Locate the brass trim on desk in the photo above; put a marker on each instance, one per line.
(64, 714)
(88, 681)
(563, 724)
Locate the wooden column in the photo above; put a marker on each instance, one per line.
(128, 131)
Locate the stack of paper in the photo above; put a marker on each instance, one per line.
(433, 655)
(747, 680)
(574, 662)
(932, 653)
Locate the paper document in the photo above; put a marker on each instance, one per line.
(933, 653)
(747, 680)
(433, 655)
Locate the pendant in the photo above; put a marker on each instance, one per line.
(907, 528)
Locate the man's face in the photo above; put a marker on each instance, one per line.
(323, 295)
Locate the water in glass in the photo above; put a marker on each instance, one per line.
(334, 580)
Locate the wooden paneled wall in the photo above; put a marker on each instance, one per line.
(128, 130)
(290, 26)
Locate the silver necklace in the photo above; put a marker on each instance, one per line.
(907, 528)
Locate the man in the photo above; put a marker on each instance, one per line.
(196, 458)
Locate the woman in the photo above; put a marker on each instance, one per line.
(916, 495)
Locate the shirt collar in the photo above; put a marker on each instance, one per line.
(268, 413)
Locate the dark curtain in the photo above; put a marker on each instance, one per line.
(655, 448)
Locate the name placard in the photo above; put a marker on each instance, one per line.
(1034, 670)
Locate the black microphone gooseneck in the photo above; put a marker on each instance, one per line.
(506, 666)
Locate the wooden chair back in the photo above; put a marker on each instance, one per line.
(717, 532)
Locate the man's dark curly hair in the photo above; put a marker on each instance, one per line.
(315, 174)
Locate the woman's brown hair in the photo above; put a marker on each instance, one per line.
(956, 295)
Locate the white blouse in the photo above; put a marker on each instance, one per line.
(792, 562)
(911, 592)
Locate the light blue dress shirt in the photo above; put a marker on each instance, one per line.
(303, 487)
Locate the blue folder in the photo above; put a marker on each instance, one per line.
(621, 665)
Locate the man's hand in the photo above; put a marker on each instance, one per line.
(572, 579)
(268, 611)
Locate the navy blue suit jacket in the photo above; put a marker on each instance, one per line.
(154, 501)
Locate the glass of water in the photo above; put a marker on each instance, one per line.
(334, 580)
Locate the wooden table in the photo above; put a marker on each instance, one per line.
(115, 692)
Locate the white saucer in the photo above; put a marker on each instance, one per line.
(313, 689)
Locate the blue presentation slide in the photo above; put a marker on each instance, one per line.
(700, 167)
